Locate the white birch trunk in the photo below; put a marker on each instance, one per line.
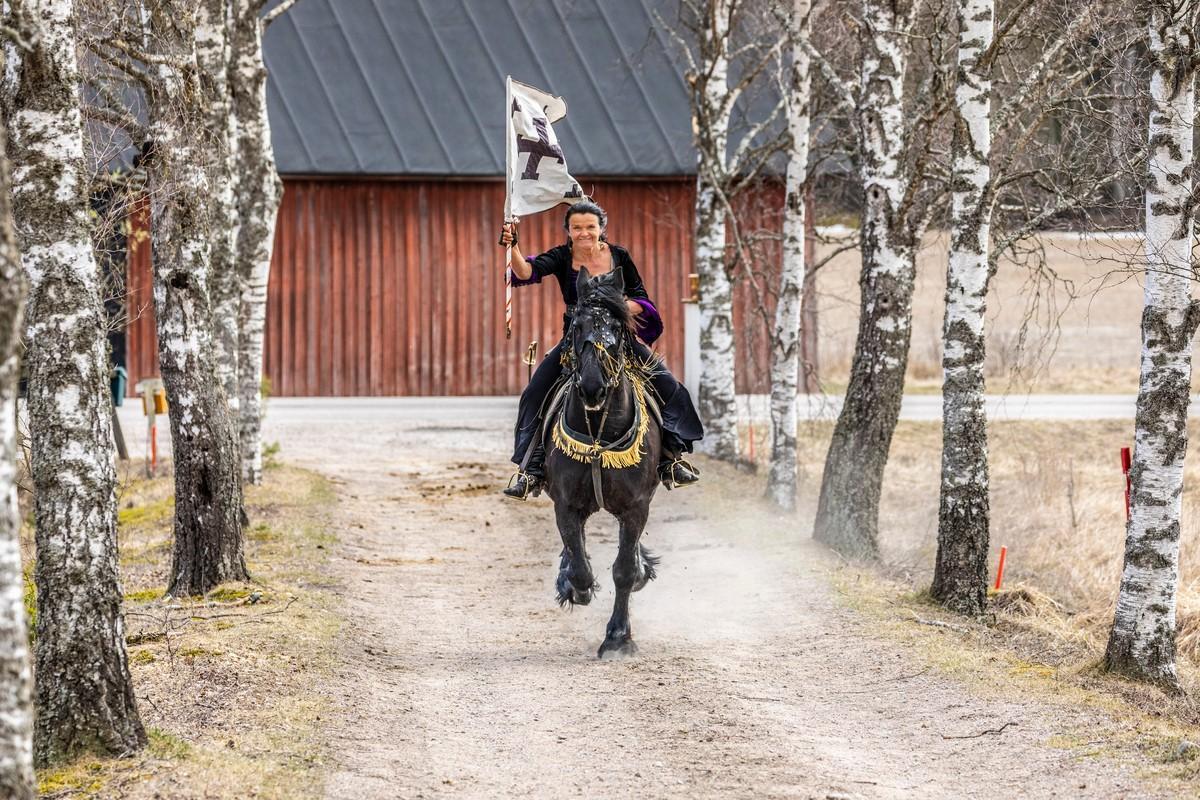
(960, 574)
(208, 548)
(1142, 641)
(785, 351)
(213, 56)
(259, 192)
(717, 401)
(848, 510)
(85, 699)
(16, 679)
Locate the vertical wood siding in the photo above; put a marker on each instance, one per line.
(397, 287)
(141, 354)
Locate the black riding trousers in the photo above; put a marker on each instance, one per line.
(681, 423)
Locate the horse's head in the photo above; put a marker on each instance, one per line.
(598, 335)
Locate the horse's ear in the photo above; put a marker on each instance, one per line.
(581, 282)
(618, 279)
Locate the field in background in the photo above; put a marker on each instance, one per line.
(1072, 326)
(1057, 505)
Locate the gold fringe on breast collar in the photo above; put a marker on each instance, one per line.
(586, 452)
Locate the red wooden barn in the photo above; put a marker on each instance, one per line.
(388, 126)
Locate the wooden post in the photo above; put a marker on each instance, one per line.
(809, 360)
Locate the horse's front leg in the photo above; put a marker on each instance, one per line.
(629, 575)
(575, 583)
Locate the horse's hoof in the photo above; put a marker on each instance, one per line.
(567, 594)
(617, 648)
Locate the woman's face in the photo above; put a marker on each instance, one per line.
(584, 230)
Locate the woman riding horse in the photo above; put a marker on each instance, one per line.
(587, 246)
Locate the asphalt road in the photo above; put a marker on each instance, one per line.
(287, 412)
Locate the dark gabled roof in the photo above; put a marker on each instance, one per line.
(416, 87)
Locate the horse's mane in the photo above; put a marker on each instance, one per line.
(605, 295)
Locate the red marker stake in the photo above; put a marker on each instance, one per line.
(1126, 463)
(1000, 567)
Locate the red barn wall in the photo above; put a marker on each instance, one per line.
(397, 287)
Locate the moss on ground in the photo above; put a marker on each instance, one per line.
(213, 675)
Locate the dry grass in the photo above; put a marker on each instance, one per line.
(1079, 333)
(227, 685)
(1058, 506)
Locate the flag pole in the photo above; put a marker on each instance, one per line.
(508, 143)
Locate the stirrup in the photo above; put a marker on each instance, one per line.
(522, 484)
(667, 473)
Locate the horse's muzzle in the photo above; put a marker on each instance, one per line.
(594, 401)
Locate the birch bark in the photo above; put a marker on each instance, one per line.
(785, 353)
(259, 194)
(1142, 641)
(16, 679)
(960, 573)
(85, 700)
(208, 490)
(848, 510)
(717, 402)
(213, 57)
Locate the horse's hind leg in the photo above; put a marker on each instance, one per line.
(629, 574)
(575, 583)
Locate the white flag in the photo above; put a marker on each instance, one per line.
(537, 171)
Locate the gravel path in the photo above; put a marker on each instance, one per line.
(462, 678)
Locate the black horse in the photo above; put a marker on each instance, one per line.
(602, 451)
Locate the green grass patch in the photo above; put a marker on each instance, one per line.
(30, 597)
(271, 455)
(142, 657)
(165, 745)
(227, 594)
(198, 652)
(143, 596)
(152, 513)
(85, 777)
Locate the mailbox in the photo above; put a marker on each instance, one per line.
(117, 384)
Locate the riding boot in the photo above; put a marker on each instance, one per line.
(532, 479)
(673, 470)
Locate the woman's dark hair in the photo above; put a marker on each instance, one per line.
(586, 207)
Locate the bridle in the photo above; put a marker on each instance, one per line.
(594, 451)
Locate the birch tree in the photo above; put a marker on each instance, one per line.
(785, 344)
(208, 548)
(16, 680)
(891, 140)
(213, 57)
(713, 37)
(1142, 641)
(960, 577)
(1062, 83)
(712, 106)
(85, 700)
(259, 194)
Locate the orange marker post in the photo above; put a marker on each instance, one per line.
(1000, 567)
(1126, 463)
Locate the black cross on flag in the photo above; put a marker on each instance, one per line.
(537, 170)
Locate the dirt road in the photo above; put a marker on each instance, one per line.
(462, 678)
